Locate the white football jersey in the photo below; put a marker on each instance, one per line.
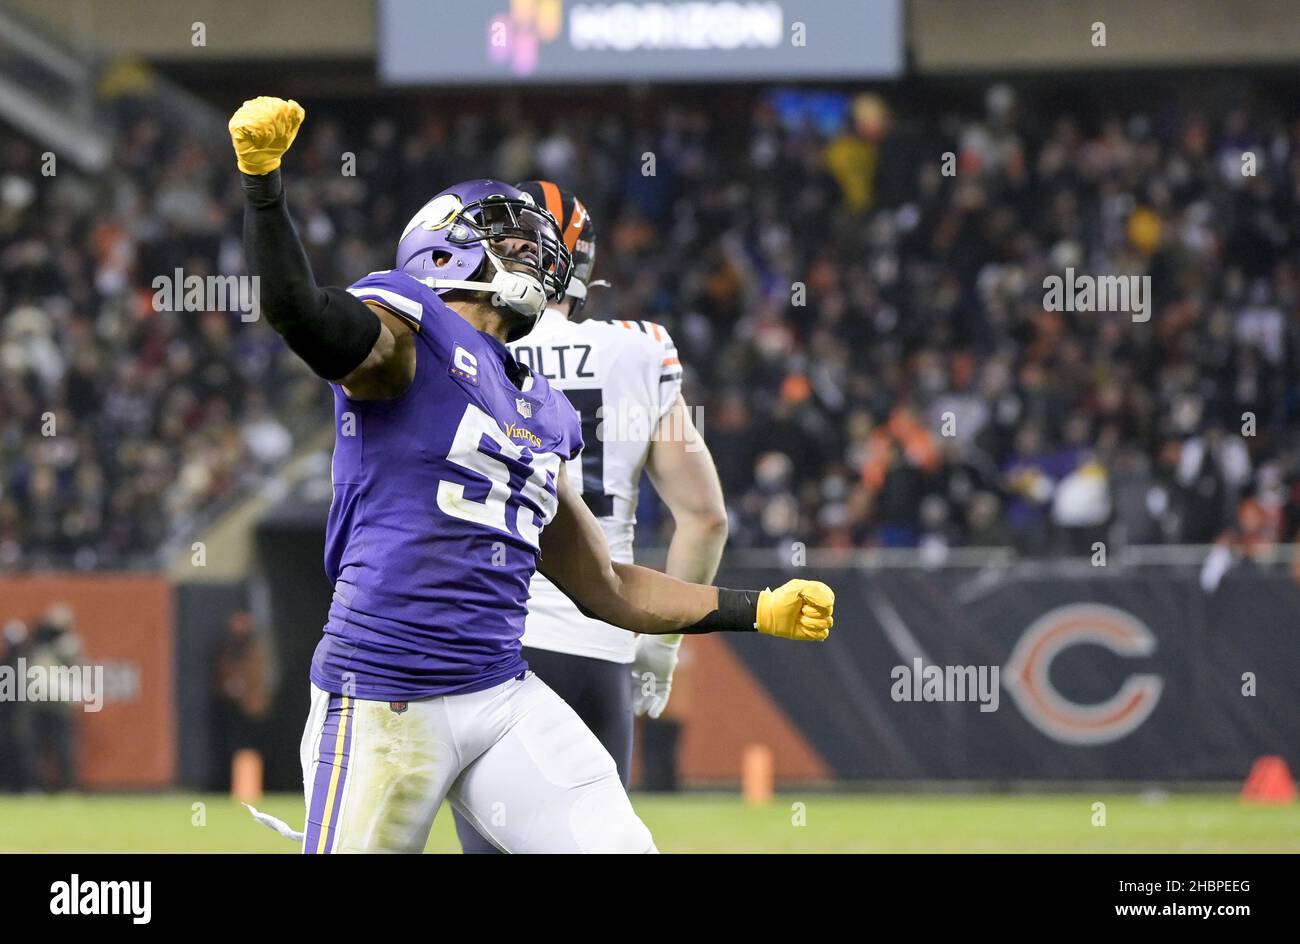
(621, 377)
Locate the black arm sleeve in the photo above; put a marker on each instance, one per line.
(332, 331)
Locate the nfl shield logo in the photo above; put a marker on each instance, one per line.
(524, 407)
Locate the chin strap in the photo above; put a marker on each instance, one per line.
(520, 293)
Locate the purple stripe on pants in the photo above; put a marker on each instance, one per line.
(340, 712)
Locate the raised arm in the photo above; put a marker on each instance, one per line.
(341, 338)
(576, 558)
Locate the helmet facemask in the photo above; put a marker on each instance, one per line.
(524, 281)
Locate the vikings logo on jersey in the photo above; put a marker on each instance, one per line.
(440, 496)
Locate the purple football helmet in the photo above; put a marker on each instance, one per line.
(448, 242)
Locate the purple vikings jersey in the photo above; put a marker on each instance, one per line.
(440, 496)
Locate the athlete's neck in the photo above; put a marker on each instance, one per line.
(483, 316)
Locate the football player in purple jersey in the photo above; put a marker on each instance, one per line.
(449, 491)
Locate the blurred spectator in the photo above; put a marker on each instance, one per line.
(241, 694)
(52, 721)
(15, 729)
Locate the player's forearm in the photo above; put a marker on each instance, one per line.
(328, 328)
(695, 552)
(683, 473)
(647, 601)
(287, 288)
(696, 548)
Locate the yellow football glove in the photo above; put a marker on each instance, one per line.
(262, 130)
(798, 609)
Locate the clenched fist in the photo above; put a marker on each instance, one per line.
(262, 130)
(798, 609)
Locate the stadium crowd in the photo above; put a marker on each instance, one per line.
(120, 423)
(857, 295)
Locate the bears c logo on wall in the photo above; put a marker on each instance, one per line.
(1027, 674)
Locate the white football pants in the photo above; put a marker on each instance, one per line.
(514, 759)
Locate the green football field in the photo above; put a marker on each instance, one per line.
(812, 822)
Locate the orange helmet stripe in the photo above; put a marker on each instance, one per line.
(577, 223)
(554, 205)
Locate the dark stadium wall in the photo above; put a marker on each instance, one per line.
(1196, 685)
(290, 544)
(203, 614)
(724, 710)
(125, 625)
